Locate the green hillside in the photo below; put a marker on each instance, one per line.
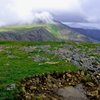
(50, 27)
(47, 32)
(17, 62)
(20, 27)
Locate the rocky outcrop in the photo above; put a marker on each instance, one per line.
(59, 86)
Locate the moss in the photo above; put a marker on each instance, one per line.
(88, 78)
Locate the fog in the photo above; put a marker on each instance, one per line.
(33, 11)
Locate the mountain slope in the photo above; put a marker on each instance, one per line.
(66, 33)
(41, 32)
(92, 33)
(32, 34)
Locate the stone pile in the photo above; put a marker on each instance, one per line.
(48, 86)
(75, 56)
(81, 60)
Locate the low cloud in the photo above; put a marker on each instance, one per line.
(43, 17)
(35, 11)
(34, 17)
(22, 12)
(91, 10)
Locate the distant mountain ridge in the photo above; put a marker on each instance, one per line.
(91, 30)
(70, 34)
(42, 32)
(92, 33)
(35, 34)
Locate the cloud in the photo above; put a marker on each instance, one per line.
(21, 12)
(91, 10)
(28, 11)
(43, 17)
(82, 11)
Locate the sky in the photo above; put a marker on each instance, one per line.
(28, 11)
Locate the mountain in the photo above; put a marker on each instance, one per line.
(67, 33)
(92, 33)
(32, 34)
(91, 30)
(42, 32)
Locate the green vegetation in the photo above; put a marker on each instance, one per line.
(20, 27)
(53, 29)
(49, 27)
(16, 63)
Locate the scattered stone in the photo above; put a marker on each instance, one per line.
(39, 58)
(29, 49)
(10, 56)
(11, 87)
(80, 59)
(51, 63)
(66, 83)
(90, 84)
(9, 52)
(2, 48)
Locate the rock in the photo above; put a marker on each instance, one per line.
(27, 96)
(51, 63)
(82, 73)
(71, 93)
(90, 84)
(68, 85)
(69, 75)
(11, 56)
(39, 58)
(32, 87)
(28, 49)
(93, 93)
(11, 87)
(80, 88)
(9, 53)
(23, 89)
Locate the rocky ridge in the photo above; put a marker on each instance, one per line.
(56, 86)
(45, 32)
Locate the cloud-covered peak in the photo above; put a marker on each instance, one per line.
(43, 17)
(28, 11)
